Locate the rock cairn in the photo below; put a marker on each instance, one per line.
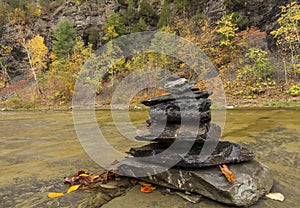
(173, 119)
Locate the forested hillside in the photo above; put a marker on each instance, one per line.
(254, 45)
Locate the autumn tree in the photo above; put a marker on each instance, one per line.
(115, 24)
(64, 72)
(227, 29)
(287, 35)
(37, 52)
(259, 67)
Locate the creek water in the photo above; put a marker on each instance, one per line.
(39, 148)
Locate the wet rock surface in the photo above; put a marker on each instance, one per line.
(253, 180)
(225, 152)
(160, 132)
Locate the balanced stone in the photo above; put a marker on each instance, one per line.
(185, 151)
(160, 132)
(252, 181)
(196, 93)
(187, 109)
(224, 152)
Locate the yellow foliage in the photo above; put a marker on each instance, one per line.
(18, 17)
(34, 9)
(38, 52)
(111, 33)
(5, 50)
(227, 28)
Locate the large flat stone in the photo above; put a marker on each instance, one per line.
(225, 152)
(252, 181)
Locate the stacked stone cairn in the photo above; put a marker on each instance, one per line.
(174, 120)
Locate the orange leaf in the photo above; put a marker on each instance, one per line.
(228, 173)
(55, 194)
(147, 189)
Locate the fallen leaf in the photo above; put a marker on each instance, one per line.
(145, 184)
(86, 179)
(275, 196)
(55, 194)
(84, 175)
(148, 189)
(73, 188)
(227, 173)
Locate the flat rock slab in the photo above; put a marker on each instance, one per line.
(189, 110)
(252, 181)
(170, 132)
(196, 93)
(224, 152)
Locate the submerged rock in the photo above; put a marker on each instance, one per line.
(252, 181)
(225, 152)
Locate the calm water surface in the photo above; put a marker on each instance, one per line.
(39, 148)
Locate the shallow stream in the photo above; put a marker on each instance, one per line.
(39, 148)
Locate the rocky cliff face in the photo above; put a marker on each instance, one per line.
(260, 13)
(91, 15)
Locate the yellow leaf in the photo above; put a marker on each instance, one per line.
(142, 183)
(275, 196)
(55, 194)
(73, 188)
(84, 175)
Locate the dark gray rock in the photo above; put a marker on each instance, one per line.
(225, 152)
(188, 109)
(161, 132)
(252, 181)
(196, 93)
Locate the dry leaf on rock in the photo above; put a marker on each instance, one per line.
(148, 189)
(228, 173)
(275, 196)
(86, 179)
(145, 184)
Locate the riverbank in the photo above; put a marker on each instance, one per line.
(230, 104)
